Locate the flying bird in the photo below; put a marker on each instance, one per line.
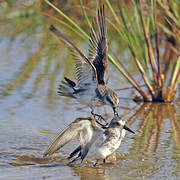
(90, 87)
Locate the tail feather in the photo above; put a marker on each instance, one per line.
(66, 89)
(70, 82)
(78, 149)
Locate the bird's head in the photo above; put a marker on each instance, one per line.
(112, 100)
(118, 122)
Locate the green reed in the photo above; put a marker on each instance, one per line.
(136, 30)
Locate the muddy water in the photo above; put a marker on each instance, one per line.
(31, 114)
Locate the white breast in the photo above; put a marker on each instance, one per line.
(106, 148)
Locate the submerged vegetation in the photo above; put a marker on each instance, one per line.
(149, 29)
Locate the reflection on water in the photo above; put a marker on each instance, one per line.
(31, 113)
(152, 153)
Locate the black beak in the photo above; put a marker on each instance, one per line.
(128, 129)
(115, 112)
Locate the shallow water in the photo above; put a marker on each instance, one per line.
(31, 114)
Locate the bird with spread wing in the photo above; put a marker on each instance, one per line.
(93, 139)
(90, 87)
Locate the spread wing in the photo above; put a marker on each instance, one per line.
(73, 131)
(62, 138)
(85, 75)
(98, 45)
(85, 70)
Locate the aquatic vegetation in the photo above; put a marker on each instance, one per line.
(148, 29)
(140, 30)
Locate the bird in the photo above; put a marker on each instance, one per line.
(111, 139)
(102, 142)
(82, 129)
(90, 87)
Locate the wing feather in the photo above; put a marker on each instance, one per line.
(62, 138)
(98, 45)
(85, 70)
(65, 136)
(84, 74)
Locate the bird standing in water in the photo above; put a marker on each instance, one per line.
(82, 129)
(92, 137)
(90, 87)
(111, 140)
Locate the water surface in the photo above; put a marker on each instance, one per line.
(31, 113)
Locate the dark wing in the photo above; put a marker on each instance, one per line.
(98, 45)
(77, 150)
(85, 70)
(70, 82)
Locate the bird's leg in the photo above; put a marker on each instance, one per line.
(100, 118)
(104, 161)
(102, 125)
(115, 112)
(96, 163)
